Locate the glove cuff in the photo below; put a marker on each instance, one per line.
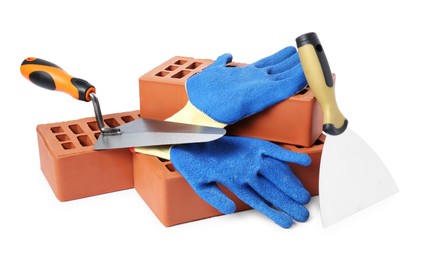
(189, 114)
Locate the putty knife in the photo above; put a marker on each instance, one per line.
(140, 132)
(352, 176)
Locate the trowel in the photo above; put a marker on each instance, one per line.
(140, 132)
(352, 176)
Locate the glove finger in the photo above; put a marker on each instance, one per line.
(284, 65)
(279, 199)
(275, 58)
(250, 197)
(288, 83)
(281, 175)
(212, 194)
(275, 151)
(222, 60)
(294, 71)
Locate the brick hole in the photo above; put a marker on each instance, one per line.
(180, 62)
(62, 137)
(84, 140)
(111, 122)
(180, 74)
(76, 129)
(68, 146)
(162, 74)
(170, 167)
(127, 118)
(96, 135)
(194, 65)
(171, 68)
(56, 129)
(93, 126)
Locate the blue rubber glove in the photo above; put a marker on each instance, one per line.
(253, 169)
(229, 94)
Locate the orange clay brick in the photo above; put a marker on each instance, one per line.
(297, 120)
(71, 166)
(162, 90)
(168, 194)
(174, 202)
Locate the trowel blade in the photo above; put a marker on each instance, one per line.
(149, 132)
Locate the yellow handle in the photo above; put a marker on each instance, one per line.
(319, 78)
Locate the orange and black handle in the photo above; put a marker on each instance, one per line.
(50, 76)
(319, 77)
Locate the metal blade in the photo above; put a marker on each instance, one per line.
(352, 177)
(149, 132)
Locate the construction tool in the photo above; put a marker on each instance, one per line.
(352, 176)
(140, 132)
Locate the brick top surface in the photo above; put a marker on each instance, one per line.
(77, 136)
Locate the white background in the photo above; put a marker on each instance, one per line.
(375, 48)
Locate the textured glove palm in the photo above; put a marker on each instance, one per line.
(254, 170)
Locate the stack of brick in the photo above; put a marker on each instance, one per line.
(74, 170)
(295, 124)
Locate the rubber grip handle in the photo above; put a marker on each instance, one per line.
(50, 76)
(319, 77)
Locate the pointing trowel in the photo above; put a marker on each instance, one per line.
(140, 132)
(352, 176)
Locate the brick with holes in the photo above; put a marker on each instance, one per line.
(297, 120)
(162, 90)
(71, 166)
